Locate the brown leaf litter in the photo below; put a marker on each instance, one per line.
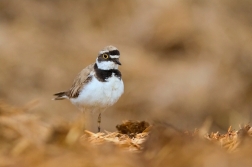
(24, 128)
(232, 139)
(25, 138)
(130, 136)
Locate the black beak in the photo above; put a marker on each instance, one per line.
(117, 61)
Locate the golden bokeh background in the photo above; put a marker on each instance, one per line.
(183, 62)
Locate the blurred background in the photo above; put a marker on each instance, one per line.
(183, 62)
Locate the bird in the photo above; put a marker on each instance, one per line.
(98, 86)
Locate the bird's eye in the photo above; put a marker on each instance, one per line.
(105, 56)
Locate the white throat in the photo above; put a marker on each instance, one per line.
(106, 65)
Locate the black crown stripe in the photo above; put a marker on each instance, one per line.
(114, 52)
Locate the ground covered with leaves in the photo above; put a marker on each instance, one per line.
(27, 140)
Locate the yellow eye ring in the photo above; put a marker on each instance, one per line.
(105, 56)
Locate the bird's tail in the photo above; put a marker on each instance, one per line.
(60, 96)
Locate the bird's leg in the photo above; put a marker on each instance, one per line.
(99, 122)
(83, 119)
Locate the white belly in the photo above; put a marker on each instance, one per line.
(99, 94)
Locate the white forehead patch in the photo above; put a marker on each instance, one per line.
(114, 56)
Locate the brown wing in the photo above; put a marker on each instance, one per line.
(80, 81)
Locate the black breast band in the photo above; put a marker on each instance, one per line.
(102, 75)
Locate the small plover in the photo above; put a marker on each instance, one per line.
(97, 86)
